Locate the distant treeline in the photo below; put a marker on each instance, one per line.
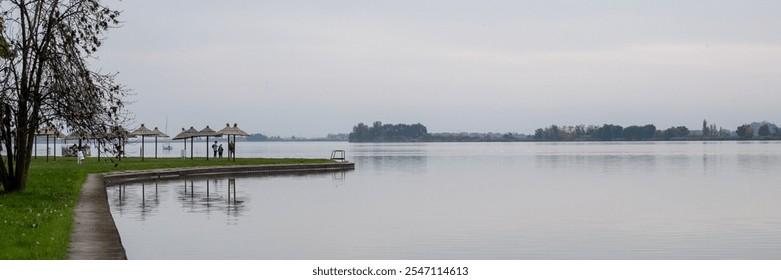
(380, 132)
(649, 132)
(608, 132)
(263, 138)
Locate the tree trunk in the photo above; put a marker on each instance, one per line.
(19, 162)
(15, 172)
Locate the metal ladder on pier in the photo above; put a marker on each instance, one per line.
(338, 155)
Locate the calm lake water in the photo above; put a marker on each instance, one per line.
(647, 200)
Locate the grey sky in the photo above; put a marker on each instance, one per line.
(308, 68)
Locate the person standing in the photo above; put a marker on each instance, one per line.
(214, 147)
(232, 149)
(79, 156)
(219, 150)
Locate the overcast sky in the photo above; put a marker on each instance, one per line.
(308, 68)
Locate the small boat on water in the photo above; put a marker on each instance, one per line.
(167, 145)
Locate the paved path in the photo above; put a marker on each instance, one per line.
(94, 236)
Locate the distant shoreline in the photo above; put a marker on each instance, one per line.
(572, 141)
(489, 141)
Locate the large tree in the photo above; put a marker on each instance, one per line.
(764, 130)
(745, 131)
(46, 78)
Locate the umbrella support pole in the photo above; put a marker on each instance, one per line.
(142, 147)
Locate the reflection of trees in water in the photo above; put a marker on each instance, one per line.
(605, 163)
(143, 199)
(407, 157)
(149, 204)
(116, 200)
(207, 195)
(195, 195)
(757, 163)
(405, 163)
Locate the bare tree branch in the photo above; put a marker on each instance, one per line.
(46, 79)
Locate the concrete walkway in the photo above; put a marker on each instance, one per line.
(95, 236)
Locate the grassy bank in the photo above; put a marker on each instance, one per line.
(37, 224)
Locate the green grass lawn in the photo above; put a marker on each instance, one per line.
(37, 223)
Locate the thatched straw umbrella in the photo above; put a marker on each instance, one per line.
(182, 135)
(120, 133)
(208, 132)
(143, 132)
(158, 133)
(235, 130)
(190, 133)
(75, 135)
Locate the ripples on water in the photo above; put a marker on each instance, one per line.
(665, 200)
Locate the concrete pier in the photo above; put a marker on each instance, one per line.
(173, 173)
